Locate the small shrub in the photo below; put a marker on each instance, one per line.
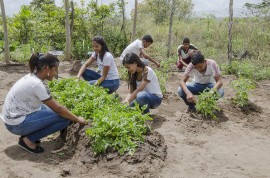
(207, 103)
(242, 87)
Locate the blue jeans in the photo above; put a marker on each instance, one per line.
(143, 98)
(196, 89)
(39, 124)
(92, 76)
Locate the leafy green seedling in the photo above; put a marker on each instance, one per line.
(242, 87)
(207, 103)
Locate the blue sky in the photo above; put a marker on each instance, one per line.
(219, 8)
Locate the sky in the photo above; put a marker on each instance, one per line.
(220, 8)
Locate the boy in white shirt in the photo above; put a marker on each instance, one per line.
(137, 47)
(206, 74)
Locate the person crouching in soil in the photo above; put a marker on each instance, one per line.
(206, 74)
(143, 84)
(184, 53)
(29, 109)
(109, 77)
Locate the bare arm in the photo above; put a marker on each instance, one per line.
(219, 82)
(84, 66)
(63, 111)
(146, 56)
(190, 96)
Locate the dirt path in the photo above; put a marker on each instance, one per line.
(236, 147)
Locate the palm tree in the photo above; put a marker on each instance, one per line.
(6, 47)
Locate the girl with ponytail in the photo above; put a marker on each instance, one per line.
(29, 109)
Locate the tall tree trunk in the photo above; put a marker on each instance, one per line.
(68, 39)
(230, 32)
(134, 21)
(72, 18)
(123, 16)
(6, 46)
(170, 29)
(123, 27)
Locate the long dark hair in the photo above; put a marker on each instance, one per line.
(104, 48)
(38, 62)
(132, 58)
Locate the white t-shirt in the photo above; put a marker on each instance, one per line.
(212, 71)
(153, 86)
(108, 60)
(24, 98)
(133, 47)
(185, 53)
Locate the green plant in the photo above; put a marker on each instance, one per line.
(242, 87)
(123, 73)
(114, 125)
(207, 103)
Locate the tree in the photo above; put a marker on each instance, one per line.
(68, 38)
(170, 28)
(260, 9)
(134, 20)
(230, 32)
(22, 25)
(4, 21)
(38, 4)
(158, 9)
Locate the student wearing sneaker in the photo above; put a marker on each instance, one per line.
(184, 52)
(206, 74)
(143, 84)
(137, 47)
(109, 77)
(30, 111)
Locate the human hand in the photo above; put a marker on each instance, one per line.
(158, 64)
(97, 82)
(78, 78)
(191, 98)
(213, 91)
(125, 102)
(81, 121)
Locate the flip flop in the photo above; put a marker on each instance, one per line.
(23, 145)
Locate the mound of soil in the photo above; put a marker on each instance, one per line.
(147, 160)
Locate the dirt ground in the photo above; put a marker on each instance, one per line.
(180, 145)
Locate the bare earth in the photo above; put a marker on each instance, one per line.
(181, 145)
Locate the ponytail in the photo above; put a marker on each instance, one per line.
(33, 62)
(38, 62)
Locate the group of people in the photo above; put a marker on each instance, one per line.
(31, 112)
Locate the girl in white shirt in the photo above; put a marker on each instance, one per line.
(30, 111)
(143, 84)
(109, 77)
